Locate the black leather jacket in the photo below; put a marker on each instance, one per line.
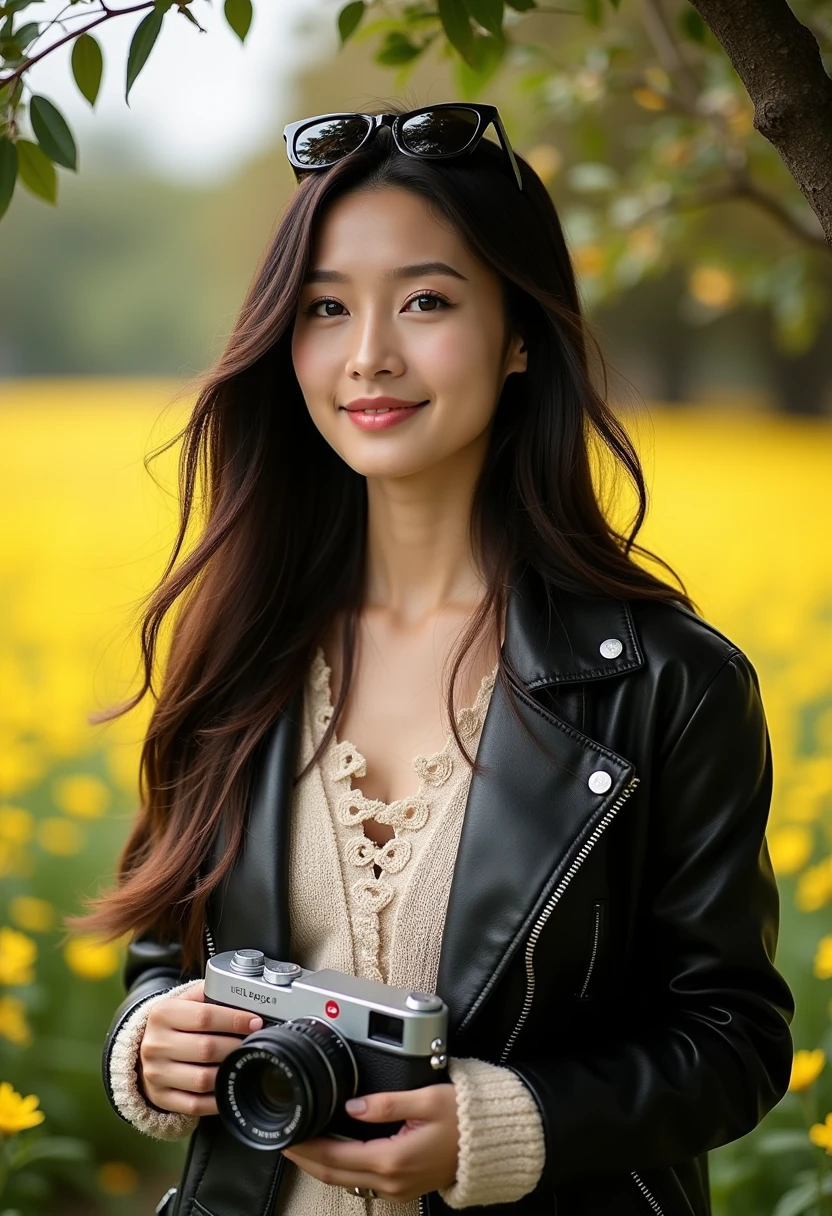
(612, 919)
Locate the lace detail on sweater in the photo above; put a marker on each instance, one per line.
(370, 894)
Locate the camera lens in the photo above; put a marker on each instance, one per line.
(276, 1090)
(284, 1083)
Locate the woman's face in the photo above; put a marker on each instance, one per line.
(375, 320)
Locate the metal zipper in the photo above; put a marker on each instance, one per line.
(552, 902)
(209, 941)
(422, 1208)
(594, 954)
(648, 1195)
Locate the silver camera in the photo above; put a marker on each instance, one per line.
(327, 1036)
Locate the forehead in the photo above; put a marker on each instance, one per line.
(374, 231)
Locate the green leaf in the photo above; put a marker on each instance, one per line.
(489, 14)
(349, 19)
(14, 6)
(52, 132)
(592, 11)
(454, 17)
(8, 173)
(238, 14)
(26, 34)
(186, 12)
(87, 66)
(521, 6)
(37, 171)
(396, 49)
(147, 31)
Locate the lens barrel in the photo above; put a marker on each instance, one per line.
(284, 1083)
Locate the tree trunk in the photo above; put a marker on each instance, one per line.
(778, 60)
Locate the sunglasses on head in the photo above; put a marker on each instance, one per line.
(433, 133)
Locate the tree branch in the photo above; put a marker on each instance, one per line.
(108, 13)
(778, 60)
(740, 185)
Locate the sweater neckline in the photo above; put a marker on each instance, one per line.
(433, 769)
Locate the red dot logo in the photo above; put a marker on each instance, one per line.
(332, 1009)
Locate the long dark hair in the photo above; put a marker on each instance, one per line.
(281, 521)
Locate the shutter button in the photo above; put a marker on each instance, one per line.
(600, 782)
(611, 648)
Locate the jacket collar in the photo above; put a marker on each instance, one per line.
(555, 636)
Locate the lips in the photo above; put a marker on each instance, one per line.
(371, 404)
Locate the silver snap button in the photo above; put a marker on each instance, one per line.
(600, 782)
(611, 648)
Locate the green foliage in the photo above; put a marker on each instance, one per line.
(143, 41)
(238, 14)
(349, 19)
(87, 66)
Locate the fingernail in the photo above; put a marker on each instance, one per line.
(356, 1106)
(255, 1023)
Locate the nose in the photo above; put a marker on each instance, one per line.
(373, 349)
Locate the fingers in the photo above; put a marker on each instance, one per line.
(181, 1103)
(191, 1078)
(193, 1015)
(174, 1046)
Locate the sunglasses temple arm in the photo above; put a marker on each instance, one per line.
(507, 148)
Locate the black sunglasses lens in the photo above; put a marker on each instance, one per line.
(439, 132)
(323, 143)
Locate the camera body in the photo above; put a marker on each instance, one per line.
(327, 1036)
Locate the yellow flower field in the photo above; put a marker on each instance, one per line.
(740, 507)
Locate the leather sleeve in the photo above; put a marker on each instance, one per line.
(709, 1051)
(153, 965)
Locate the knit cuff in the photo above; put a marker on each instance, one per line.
(502, 1148)
(124, 1076)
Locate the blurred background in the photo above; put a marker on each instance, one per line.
(716, 325)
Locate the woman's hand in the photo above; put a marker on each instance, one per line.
(184, 1040)
(421, 1157)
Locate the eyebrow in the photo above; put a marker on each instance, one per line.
(414, 271)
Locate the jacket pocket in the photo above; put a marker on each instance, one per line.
(596, 941)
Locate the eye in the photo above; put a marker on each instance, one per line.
(311, 310)
(430, 295)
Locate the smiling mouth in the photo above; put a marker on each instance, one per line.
(386, 409)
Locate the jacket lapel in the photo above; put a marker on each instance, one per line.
(532, 809)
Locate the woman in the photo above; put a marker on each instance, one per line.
(404, 572)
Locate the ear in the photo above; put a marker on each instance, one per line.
(517, 357)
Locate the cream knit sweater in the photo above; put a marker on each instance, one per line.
(378, 911)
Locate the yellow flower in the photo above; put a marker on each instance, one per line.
(91, 958)
(16, 1112)
(13, 1024)
(35, 915)
(806, 1068)
(821, 1134)
(117, 1178)
(790, 848)
(823, 959)
(17, 957)
(82, 795)
(814, 887)
(16, 825)
(60, 836)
